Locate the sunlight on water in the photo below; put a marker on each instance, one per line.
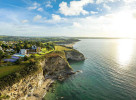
(109, 72)
(125, 50)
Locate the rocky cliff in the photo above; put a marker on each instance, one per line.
(74, 55)
(53, 66)
(24, 88)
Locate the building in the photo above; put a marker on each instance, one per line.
(34, 47)
(9, 50)
(33, 50)
(23, 51)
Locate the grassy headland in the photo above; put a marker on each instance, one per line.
(11, 73)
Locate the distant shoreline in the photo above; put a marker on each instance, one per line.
(68, 37)
(70, 45)
(101, 38)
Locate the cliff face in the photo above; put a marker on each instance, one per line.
(74, 55)
(24, 88)
(55, 65)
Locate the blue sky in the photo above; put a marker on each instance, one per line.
(68, 18)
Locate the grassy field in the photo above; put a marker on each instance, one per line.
(61, 48)
(5, 70)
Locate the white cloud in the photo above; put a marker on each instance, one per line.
(56, 17)
(115, 24)
(99, 1)
(37, 17)
(105, 1)
(76, 24)
(48, 5)
(40, 9)
(93, 12)
(34, 6)
(25, 21)
(120, 24)
(106, 6)
(129, 1)
(75, 8)
(134, 14)
(99, 9)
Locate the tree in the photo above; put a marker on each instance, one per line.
(26, 58)
(18, 49)
(32, 61)
(18, 61)
(1, 55)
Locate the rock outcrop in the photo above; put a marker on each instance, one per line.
(57, 66)
(74, 55)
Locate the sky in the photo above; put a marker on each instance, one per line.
(73, 18)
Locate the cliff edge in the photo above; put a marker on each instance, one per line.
(53, 66)
(74, 55)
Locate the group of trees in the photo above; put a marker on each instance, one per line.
(40, 39)
(1, 55)
(50, 46)
(16, 46)
(21, 45)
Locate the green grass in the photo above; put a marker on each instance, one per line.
(42, 53)
(6, 70)
(43, 50)
(61, 48)
(4, 97)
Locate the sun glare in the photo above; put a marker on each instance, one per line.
(124, 24)
(125, 49)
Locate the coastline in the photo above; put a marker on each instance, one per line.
(51, 80)
(41, 91)
(71, 44)
(37, 86)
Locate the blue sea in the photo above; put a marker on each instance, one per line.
(108, 73)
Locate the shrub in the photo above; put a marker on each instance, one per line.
(18, 61)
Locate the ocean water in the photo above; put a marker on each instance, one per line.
(108, 73)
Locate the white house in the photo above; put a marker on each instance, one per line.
(34, 47)
(23, 51)
(9, 50)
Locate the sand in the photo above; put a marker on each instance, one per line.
(70, 45)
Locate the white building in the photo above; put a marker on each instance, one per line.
(9, 50)
(23, 51)
(34, 47)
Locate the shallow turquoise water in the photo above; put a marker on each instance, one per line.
(108, 73)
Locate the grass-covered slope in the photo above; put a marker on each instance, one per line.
(6, 70)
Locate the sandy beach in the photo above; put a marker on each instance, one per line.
(70, 45)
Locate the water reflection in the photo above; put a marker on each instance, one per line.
(125, 50)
